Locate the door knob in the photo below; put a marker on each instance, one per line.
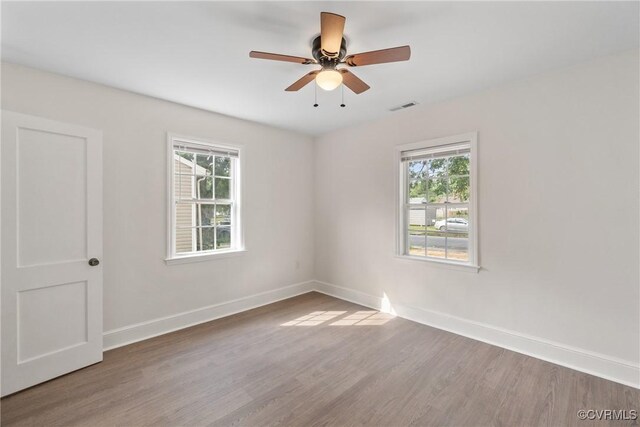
(93, 262)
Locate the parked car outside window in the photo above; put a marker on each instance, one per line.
(452, 224)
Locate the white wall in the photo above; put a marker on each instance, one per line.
(558, 212)
(562, 278)
(138, 286)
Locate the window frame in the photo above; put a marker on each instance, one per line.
(470, 138)
(236, 189)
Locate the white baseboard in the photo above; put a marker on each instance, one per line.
(621, 371)
(152, 328)
(600, 365)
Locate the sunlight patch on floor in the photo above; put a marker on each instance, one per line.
(358, 318)
(363, 318)
(314, 318)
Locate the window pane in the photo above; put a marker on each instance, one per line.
(459, 189)
(204, 165)
(223, 214)
(223, 166)
(436, 242)
(184, 240)
(458, 233)
(458, 219)
(436, 232)
(416, 242)
(457, 248)
(417, 187)
(205, 214)
(205, 188)
(183, 162)
(224, 237)
(185, 215)
(458, 165)
(222, 188)
(436, 218)
(417, 219)
(416, 231)
(183, 187)
(205, 238)
(437, 190)
(417, 191)
(437, 167)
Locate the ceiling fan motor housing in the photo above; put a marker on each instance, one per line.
(324, 60)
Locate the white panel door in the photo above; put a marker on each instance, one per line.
(51, 232)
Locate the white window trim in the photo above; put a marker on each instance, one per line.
(172, 258)
(472, 139)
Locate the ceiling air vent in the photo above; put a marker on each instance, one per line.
(403, 106)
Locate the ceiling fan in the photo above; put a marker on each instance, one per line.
(329, 50)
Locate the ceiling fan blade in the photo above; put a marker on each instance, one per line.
(352, 82)
(394, 54)
(302, 82)
(331, 30)
(278, 57)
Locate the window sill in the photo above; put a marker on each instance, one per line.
(203, 257)
(442, 263)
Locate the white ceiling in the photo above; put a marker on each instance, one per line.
(197, 53)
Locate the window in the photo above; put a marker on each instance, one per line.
(204, 198)
(437, 202)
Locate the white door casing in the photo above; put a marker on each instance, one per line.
(51, 226)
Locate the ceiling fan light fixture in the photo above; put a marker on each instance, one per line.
(329, 79)
(329, 50)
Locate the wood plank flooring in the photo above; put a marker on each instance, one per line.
(314, 360)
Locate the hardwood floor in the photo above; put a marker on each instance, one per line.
(315, 360)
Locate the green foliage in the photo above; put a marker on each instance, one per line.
(223, 215)
(222, 188)
(459, 188)
(224, 237)
(223, 166)
(459, 165)
(435, 178)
